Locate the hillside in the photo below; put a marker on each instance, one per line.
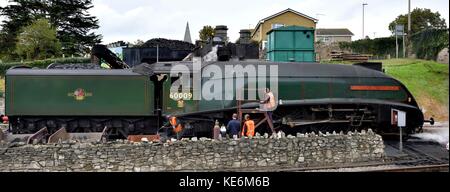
(428, 81)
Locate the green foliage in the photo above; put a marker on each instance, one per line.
(42, 63)
(420, 19)
(428, 43)
(69, 17)
(378, 46)
(38, 41)
(206, 33)
(18, 14)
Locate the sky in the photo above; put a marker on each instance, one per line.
(145, 19)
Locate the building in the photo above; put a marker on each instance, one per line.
(187, 34)
(284, 18)
(329, 36)
(291, 44)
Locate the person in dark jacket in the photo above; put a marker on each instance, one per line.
(234, 126)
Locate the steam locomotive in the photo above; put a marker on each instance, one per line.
(311, 97)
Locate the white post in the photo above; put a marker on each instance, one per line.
(401, 139)
(396, 45)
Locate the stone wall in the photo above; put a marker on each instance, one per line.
(323, 51)
(204, 154)
(442, 57)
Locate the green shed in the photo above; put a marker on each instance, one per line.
(291, 44)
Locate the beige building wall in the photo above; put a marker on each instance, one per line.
(287, 19)
(342, 39)
(334, 39)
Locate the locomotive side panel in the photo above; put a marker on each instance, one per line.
(33, 95)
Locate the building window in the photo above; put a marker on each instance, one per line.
(326, 39)
(263, 45)
(277, 25)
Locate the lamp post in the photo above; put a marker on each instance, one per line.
(364, 4)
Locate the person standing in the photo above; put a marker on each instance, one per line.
(268, 104)
(216, 130)
(234, 126)
(223, 132)
(249, 127)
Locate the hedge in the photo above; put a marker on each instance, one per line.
(377, 47)
(42, 63)
(428, 43)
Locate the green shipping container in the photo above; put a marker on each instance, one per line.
(70, 93)
(291, 44)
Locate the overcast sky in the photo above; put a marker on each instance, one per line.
(145, 19)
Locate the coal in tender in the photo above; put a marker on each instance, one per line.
(74, 66)
(168, 43)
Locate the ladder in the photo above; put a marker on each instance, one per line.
(241, 111)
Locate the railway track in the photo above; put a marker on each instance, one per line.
(417, 156)
(425, 168)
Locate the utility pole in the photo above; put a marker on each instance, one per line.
(409, 16)
(364, 4)
(408, 37)
(404, 46)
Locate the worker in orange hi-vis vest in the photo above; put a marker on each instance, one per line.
(177, 127)
(249, 127)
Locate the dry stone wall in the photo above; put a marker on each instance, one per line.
(197, 154)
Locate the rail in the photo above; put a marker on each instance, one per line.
(424, 168)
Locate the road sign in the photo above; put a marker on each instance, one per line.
(399, 30)
(398, 118)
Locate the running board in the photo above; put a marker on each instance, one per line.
(301, 123)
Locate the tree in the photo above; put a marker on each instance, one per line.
(18, 14)
(70, 18)
(138, 43)
(38, 41)
(206, 33)
(74, 24)
(420, 19)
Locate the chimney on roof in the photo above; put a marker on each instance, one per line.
(187, 34)
(244, 37)
(221, 32)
